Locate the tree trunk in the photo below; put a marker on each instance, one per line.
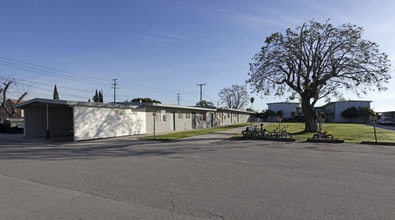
(310, 117)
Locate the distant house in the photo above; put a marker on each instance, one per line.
(289, 109)
(90, 120)
(15, 120)
(332, 111)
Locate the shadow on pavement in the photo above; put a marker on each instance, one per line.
(97, 149)
(18, 147)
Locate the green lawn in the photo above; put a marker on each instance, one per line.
(191, 133)
(351, 133)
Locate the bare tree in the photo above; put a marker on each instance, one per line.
(6, 104)
(316, 60)
(234, 97)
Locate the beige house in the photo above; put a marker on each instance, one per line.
(16, 119)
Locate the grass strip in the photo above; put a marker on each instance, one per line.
(349, 132)
(184, 134)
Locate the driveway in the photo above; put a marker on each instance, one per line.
(212, 178)
(387, 127)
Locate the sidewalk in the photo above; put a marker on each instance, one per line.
(217, 136)
(15, 137)
(212, 137)
(21, 139)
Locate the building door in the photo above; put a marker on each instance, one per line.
(193, 120)
(174, 120)
(171, 125)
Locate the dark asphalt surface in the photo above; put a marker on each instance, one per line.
(206, 177)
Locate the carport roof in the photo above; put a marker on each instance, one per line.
(38, 102)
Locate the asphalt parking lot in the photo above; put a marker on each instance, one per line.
(206, 177)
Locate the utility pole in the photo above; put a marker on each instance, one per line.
(178, 98)
(201, 85)
(114, 86)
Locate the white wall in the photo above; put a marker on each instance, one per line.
(93, 122)
(228, 117)
(343, 105)
(286, 107)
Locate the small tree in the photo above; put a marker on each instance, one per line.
(279, 113)
(365, 112)
(205, 104)
(145, 100)
(55, 93)
(268, 113)
(350, 113)
(101, 96)
(95, 98)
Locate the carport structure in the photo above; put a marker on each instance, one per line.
(47, 118)
(81, 120)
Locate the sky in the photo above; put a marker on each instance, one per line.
(161, 48)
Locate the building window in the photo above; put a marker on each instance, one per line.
(163, 115)
(180, 115)
(204, 116)
(187, 115)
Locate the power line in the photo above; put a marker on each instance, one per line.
(41, 83)
(18, 64)
(159, 90)
(208, 97)
(49, 91)
(48, 71)
(74, 78)
(80, 78)
(40, 86)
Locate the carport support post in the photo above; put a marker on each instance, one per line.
(47, 122)
(154, 114)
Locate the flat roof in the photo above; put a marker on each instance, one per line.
(39, 102)
(282, 103)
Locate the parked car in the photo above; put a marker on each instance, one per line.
(386, 121)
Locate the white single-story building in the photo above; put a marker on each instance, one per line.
(90, 120)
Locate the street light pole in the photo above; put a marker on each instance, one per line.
(201, 85)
